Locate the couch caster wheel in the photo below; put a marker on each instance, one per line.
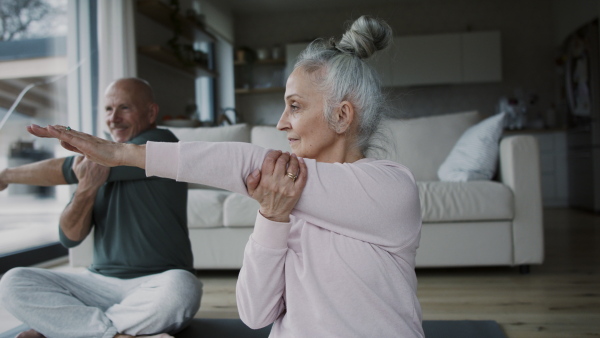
(524, 269)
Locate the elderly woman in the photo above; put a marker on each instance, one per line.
(334, 244)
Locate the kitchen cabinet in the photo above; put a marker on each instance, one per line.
(423, 60)
(452, 58)
(481, 57)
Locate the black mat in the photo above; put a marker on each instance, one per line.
(234, 328)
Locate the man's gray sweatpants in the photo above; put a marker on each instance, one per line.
(63, 305)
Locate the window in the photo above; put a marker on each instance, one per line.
(35, 37)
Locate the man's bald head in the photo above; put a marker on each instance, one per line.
(130, 108)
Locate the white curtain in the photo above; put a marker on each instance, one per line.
(116, 46)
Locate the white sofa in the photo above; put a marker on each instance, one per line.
(476, 223)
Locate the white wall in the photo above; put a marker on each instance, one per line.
(528, 45)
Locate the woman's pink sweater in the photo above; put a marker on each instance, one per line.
(345, 264)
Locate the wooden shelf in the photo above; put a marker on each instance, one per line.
(267, 62)
(161, 13)
(260, 90)
(165, 56)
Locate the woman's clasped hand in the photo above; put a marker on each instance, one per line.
(278, 185)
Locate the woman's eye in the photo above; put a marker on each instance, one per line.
(294, 107)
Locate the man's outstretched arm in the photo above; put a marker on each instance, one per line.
(43, 173)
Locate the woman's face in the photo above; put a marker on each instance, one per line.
(307, 130)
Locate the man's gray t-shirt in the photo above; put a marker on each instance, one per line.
(140, 223)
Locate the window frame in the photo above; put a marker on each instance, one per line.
(82, 87)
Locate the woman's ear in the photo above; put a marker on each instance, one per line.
(345, 117)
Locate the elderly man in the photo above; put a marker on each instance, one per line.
(141, 281)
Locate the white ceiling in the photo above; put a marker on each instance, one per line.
(255, 6)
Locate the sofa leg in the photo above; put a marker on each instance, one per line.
(524, 269)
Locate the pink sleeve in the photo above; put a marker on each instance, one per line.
(261, 283)
(224, 165)
(372, 201)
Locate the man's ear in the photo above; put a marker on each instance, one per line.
(153, 112)
(344, 116)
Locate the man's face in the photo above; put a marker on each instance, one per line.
(127, 112)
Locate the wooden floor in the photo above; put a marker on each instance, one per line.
(560, 298)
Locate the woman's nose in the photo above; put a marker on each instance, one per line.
(283, 123)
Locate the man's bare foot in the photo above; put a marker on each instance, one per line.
(162, 335)
(31, 334)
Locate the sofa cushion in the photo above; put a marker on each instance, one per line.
(440, 202)
(475, 155)
(239, 211)
(422, 144)
(233, 133)
(205, 208)
(269, 137)
(465, 201)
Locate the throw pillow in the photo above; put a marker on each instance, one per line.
(422, 143)
(475, 155)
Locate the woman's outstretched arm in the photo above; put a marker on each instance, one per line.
(220, 165)
(107, 153)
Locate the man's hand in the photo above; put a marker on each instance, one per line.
(91, 175)
(76, 219)
(108, 153)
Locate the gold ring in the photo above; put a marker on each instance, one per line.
(292, 176)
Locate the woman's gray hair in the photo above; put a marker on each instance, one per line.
(342, 74)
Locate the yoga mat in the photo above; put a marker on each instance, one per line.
(234, 328)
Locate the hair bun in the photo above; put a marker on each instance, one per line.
(366, 36)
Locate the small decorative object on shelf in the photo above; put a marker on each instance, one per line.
(262, 54)
(515, 113)
(160, 12)
(244, 55)
(178, 52)
(276, 53)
